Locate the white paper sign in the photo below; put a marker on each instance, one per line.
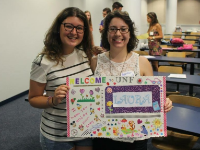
(132, 99)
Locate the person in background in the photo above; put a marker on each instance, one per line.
(117, 6)
(106, 11)
(66, 53)
(89, 17)
(154, 39)
(119, 39)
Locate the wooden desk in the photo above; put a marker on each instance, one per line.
(184, 118)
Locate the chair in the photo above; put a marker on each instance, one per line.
(164, 46)
(189, 42)
(186, 100)
(176, 140)
(179, 34)
(167, 37)
(171, 69)
(190, 37)
(177, 54)
(189, 54)
(142, 52)
(195, 33)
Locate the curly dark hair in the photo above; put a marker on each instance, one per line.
(153, 17)
(53, 45)
(133, 41)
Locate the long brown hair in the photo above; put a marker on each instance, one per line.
(52, 43)
(153, 17)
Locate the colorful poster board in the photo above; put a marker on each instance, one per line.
(116, 106)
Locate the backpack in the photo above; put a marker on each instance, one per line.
(176, 41)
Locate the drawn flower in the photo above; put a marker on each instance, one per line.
(99, 134)
(73, 100)
(91, 92)
(109, 103)
(82, 91)
(157, 123)
(107, 133)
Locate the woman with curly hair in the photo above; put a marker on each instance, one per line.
(119, 39)
(66, 53)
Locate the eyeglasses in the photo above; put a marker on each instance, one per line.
(114, 30)
(70, 27)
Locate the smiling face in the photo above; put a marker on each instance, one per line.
(148, 19)
(118, 40)
(70, 39)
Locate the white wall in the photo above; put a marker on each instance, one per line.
(23, 26)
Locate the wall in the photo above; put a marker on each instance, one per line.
(25, 22)
(159, 7)
(188, 12)
(23, 26)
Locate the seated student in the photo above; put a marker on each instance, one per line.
(119, 39)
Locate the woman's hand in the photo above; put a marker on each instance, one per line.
(98, 50)
(150, 38)
(168, 105)
(60, 93)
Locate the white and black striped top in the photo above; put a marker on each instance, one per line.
(54, 122)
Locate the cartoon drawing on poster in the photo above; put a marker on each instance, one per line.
(116, 107)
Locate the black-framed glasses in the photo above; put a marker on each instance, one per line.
(121, 30)
(70, 27)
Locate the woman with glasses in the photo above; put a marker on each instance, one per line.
(155, 36)
(119, 39)
(66, 52)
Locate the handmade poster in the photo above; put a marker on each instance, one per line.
(116, 106)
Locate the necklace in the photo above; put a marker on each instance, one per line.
(112, 64)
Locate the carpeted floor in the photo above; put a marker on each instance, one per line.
(19, 123)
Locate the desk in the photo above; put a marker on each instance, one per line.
(183, 35)
(188, 60)
(184, 118)
(182, 39)
(178, 45)
(182, 50)
(191, 80)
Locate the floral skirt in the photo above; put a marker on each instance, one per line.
(154, 48)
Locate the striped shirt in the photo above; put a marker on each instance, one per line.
(54, 121)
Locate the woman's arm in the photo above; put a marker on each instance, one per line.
(145, 67)
(36, 98)
(146, 70)
(93, 63)
(159, 29)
